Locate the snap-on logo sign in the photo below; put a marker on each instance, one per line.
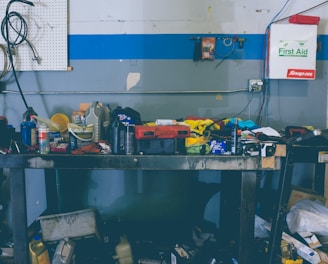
(302, 74)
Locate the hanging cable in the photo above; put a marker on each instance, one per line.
(231, 43)
(21, 36)
(247, 105)
(304, 11)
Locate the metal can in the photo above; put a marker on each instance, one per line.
(43, 137)
(129, 140)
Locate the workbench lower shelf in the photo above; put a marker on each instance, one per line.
(243, 168)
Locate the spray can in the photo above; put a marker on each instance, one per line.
(129, 140)
(234, 138)
(38, 251)
(43, 137)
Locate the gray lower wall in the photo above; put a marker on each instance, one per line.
(290, 101)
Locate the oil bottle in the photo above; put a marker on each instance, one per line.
(38, 251)
(123, 251)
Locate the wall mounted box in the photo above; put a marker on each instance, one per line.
(292, 52)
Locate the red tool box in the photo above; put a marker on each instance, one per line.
(161, 139)
(152, 132)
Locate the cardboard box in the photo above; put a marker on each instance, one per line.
(323, 256)
(300, 194)
(77, 224)
(310, 239)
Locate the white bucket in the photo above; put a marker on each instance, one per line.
(80, 136)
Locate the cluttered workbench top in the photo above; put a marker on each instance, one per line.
(121, 139)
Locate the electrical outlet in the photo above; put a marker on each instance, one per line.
(255, 85)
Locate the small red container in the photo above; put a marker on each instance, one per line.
(301, 19)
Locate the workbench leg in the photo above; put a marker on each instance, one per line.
(247, 217)
(279, 216)
(19, 215)
(54, 192)
(238, 212)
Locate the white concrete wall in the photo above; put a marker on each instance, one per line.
(184, 16)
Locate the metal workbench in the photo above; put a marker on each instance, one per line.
(244, 168)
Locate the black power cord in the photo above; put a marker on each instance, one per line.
(21, 37)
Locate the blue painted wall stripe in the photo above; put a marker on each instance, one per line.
(169, 46)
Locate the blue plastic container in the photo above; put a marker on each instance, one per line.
(29, 133)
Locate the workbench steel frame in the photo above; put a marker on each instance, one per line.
(247, 166)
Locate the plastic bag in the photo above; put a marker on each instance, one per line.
(308, 216)
(261, 228)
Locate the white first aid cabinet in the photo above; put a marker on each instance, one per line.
(292, 52)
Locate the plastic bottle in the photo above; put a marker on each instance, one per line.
(38, 251)
(94, 116)
(27, 116)
(117, 137)
(106, 122)
(124, 252)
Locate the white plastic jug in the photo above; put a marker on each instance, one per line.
(99, 115)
